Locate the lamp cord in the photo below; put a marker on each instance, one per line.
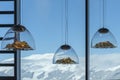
(103, 13)
(66, 21)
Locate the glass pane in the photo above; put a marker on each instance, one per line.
(3, 31)
(7, 6)
(25, 42)
(6, 71)
(104, 63)
(6, 58)
(46, 20)
(7, 19)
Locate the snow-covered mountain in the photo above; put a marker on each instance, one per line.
(105, 66)
(40, 67)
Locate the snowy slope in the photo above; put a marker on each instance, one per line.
(105, 66)
(40, 67)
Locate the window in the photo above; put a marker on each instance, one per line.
(45, 20)
(104, 63)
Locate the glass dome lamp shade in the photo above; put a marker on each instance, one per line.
(25, 40)
(103, 38)
(65, 55)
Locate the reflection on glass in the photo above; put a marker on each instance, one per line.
(6, 71)
(65, 55)
(6, 58)
(6, 18)
(11, 40)
(103, 38)
(6, 6)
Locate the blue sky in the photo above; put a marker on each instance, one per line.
(45, 20)
(48, 17)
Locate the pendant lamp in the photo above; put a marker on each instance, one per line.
(65, 53)
(103, 38)
(18, 37)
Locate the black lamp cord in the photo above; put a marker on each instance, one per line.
(66, 21)
(103, 14)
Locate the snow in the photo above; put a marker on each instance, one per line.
(40, 67)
